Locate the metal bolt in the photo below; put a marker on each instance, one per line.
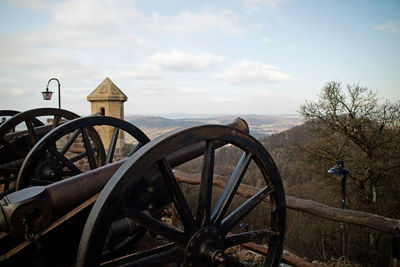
(150, 207)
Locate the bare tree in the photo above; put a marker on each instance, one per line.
(353, 125)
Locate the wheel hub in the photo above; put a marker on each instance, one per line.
(49, 170)
(205, 248)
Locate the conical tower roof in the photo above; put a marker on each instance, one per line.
(107, 91)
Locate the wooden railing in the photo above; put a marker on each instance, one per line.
(380, 223)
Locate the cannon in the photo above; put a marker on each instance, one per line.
(118, 214)
(80, 142)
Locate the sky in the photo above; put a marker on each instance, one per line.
(196, 57)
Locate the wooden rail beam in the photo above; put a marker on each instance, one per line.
(366, 219)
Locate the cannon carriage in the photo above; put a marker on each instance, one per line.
(135, 211)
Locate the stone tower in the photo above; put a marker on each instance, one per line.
(107, 99)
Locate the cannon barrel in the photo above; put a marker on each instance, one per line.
(41, 204)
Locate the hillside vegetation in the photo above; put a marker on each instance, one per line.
(348, 125)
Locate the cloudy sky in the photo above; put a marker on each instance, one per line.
(208, 57)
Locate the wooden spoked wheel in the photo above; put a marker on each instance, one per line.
(20, 133)
(210, 229)
(29, 124)
(76, 147)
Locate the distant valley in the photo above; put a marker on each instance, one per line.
(260, 125)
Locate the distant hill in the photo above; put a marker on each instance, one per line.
(160, 122)
(297, 135)
(155, 126)
(260, 125)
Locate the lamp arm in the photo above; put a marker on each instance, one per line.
(59, 93)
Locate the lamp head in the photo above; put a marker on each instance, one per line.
(338, 169)
(47, 94)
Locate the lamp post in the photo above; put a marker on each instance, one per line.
(337, 170)
(47, 94)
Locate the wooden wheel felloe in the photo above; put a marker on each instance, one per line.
(58, 154)
(145, 185)
(7, 114)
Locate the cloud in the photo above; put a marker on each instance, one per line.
(255, 5)
(88, 24)
(265, 40)
(77, 35)
(81, 42)
(178, 61)
(82, 25)
(78, 39)
(261, 92)
(143, 72)
(390, 26)
(290, 47)
(191, 90)
(96, 14)
(251, 71)
(191, 23)
(221, 100)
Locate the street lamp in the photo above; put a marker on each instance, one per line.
(339, 170)
(47, 94)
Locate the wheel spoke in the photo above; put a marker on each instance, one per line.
(70, 141)
(155, 226)
(64, 160)
(88, 148)
(165, 254)
(230, 189)
(137, 147)
(13, 148)
(7, 180)
(244, 209)
(112, 145)
(204, 204)
(56, 121)
(78, 157)
(31, 130)
(178, 198)
(237, 239)
(81, 155)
